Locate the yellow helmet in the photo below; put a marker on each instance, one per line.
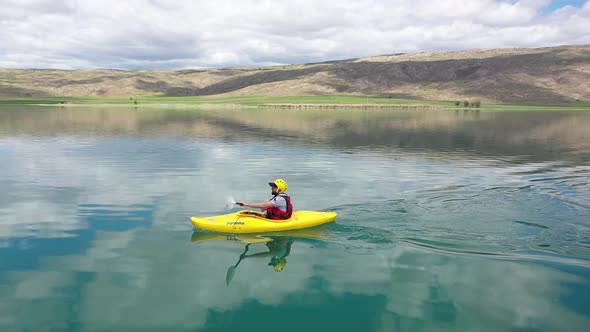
(280, 184)
(278, 264)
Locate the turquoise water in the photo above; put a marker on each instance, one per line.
(448, 221)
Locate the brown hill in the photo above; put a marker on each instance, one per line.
(542, 75)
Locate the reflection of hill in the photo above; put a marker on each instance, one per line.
(540, 137)
(533, 136)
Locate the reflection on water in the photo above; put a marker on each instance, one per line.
(532, 136)
(447, 220)
(277, 246)
(124, 275)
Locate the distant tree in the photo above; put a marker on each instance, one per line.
(457, 103)
(476, 103)
(466, 103)
(135, 102)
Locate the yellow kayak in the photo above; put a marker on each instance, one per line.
(253, 222)
(314, 233)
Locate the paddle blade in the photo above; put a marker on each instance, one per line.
(230, 274)
(230, 202)
(232, 269)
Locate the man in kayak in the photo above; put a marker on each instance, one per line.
(279, 207)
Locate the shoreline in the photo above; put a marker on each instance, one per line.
(307, 106)
(329, 102)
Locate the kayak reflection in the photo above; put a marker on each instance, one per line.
(276, 248)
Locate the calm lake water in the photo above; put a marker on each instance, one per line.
(448, 220)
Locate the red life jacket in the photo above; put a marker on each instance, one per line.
(276, 213)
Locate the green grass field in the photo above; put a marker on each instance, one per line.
(264, 100)
(245, 100)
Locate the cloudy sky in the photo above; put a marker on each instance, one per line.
(151, 34)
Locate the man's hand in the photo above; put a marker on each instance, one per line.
(240, 203)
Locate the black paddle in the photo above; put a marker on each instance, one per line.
(230, 272)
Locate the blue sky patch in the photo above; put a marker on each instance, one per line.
(556, 4)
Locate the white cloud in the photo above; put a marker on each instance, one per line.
(181, 285)
(158, 34)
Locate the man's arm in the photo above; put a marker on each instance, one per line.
(261, 205)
